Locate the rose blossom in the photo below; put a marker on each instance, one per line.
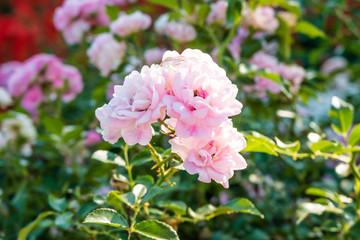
(106, 53)
(154, 55)
(333, 64)
(270, 63)
(215, 157)
(6, 70)
(32, 99)
(263, 18)
(199, 95)
(41, 78)
(294, 73)
(235, 45)
(74, 18)
(92, 138)
(180, 32)
(73, 78)
(136, 104)
(126, 25)
(217, 13)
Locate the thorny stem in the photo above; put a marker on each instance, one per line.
(167, 175)
(172, 130)
(157, 157)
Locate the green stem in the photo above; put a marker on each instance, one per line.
(128, 165)
(172, 130)
(225, 43)
(167, 175)
(157, 157)
(356, 173)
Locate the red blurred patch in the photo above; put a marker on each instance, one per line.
(26, 28)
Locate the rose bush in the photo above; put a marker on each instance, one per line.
(140, 129)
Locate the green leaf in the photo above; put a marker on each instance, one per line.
(323, 193)
(202, 13)
(325, 146)
(314, 208)
(331, 226)
(272, 76)
(147, 180)
(292, 148)
(108, 217)
(259, 143)
(155, 190)
(354, 231)
(108, 157)
(53, 125)
(58, 204)
(127, 198)
(139, 191)
(308, 29)
(341, 115)
(71, 132)
(189, 6)
(237, 205)
(354, 137)
(24, 232)
(233, 12)
(172, 4)
(157, 230)
(63, 221)
(112, 12)
(178, 207)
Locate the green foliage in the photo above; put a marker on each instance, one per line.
(108, 217)
(309, 29)
(23, 234)
(156, 230)
(341, 115)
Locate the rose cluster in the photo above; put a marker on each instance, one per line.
(196, 95)
(40, 79)
(294, 74)
(76, 17)
(106, 53)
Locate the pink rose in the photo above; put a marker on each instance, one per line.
(153, 55)
(73, 79)
(265, 61)
(126, 25)
(74, 33)
(199, 95)
(215, 157)
(235, 45)
(92, 138)
(180, 32)
(75, 18)
(6, 70)
(31, 100)
(263, 84)
(136, 104)
(217, 13)
(333, 64)
(263, 18)
(106, 53)
(41, 78)
(294, 73)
